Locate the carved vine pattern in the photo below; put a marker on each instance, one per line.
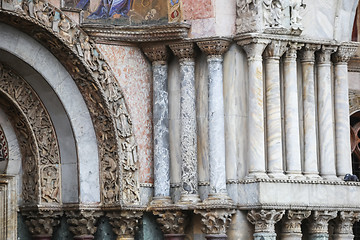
(47, 146)
(101, 92)
(4, 149)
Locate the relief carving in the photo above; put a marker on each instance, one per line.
(172, 222)
(42, 223)
(82, 222)
(125, 223)
(215, 221)
(4, 149)
(273, 13)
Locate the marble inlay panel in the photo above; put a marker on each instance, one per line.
(198, 9)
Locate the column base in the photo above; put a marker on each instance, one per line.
(189, 198)
(41, 237)
(257, 175)
(312, 176)
(295, 175)
(277, 175)
(161, 200)
(264, 236)
(124, 238)
(291, 236)
(319, 236)
(330, 177)
(218, 198)
(343, 237)
(174, 236)
(84, 237)
(216, 237)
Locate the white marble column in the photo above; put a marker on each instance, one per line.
(344, 225)
(272, 55)
(325, 113)
(158, 56)
(256, 132)
(291, 103)
(189, 175)
(264, 221)
(342, 119)
(307, 56)
(291, 228)
(319, 224)
(214, 49)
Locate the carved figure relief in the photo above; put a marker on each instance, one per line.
(272, 13)
(64, 29)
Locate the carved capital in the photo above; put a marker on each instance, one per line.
(183, 50)
(324, 55)
(124, 223)
(345, 221)
(291, 53)
(156, 53)
(172, 222)
(293, 219)
(319, 221)
(215, 221)
(254, 48)
(275, 49)
(82, 222)
(264, 220)
(42, 223)
(214, 47)
(344, 53)
(307, 54)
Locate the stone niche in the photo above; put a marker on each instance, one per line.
(8, 218)
(320, 19)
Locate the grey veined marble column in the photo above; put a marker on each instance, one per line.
(307, 58)
(158, 56)
(214, 50)
(188, 135)
(292, 122)
(342, 120)
(256, 132)
(272, 55)
(325, 113)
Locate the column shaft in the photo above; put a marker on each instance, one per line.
(310, 137)
(161, 131)
(256, 132)
(342, 121)
(292, 132)
(273, 52)
(325, 113)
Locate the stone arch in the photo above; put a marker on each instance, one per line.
(101, 92)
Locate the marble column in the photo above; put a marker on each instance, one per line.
(264, 221)
(342, 119)
(272, 55)
(291, 229)
(344, 225)
(124, 223)
(188, 135)
(158, 55)
(307, 57)
(214, 49)
(172, 223)
(291, 106)
(325, 114)
(256, 132)
(319, 224)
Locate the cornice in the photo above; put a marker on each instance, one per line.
(136, 34)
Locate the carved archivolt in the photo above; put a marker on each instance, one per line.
(100, 90)
(4, 149)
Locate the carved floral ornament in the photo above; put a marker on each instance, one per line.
(100, 90)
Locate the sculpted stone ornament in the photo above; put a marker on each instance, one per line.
(319, 222)
(215, 222)
(172, 223)
(264, 221)
(124, 223)
(292, 224)
(41, 223)
(4, 149)
(82, 223)
(344, 225)
(344, 53)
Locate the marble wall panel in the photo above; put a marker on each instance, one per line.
(202, 27)
(354, 81)
(134, 75)
(198, 9)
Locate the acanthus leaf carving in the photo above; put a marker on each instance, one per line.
(293, 219)
(172, 222)
(345, 221)
(82, 221)
(319, 221)
(215, 221)
(42, 222)
(125, 223)
(264, 220)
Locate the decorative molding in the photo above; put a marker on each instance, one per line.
(293, 219)
(4, 148)
(136, 34)
(172, 222)
(319, 221)
(264, 220)
(112, 123)
(124, 223)
(215, 221)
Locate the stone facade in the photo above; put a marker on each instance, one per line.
(227, 120)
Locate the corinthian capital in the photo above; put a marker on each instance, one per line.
(319, 221)
(264, 220)
(254, 48)
(293, 47)
(293, 219)
(156, 53)
(183, 50)
(216, 47)
(124, 223)
(345, 221)
(215, 221)
(82, 222)
(42, 222)
(275, 49)
(172, 222)
(344, 53)
(307, 54)
(324, 55)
